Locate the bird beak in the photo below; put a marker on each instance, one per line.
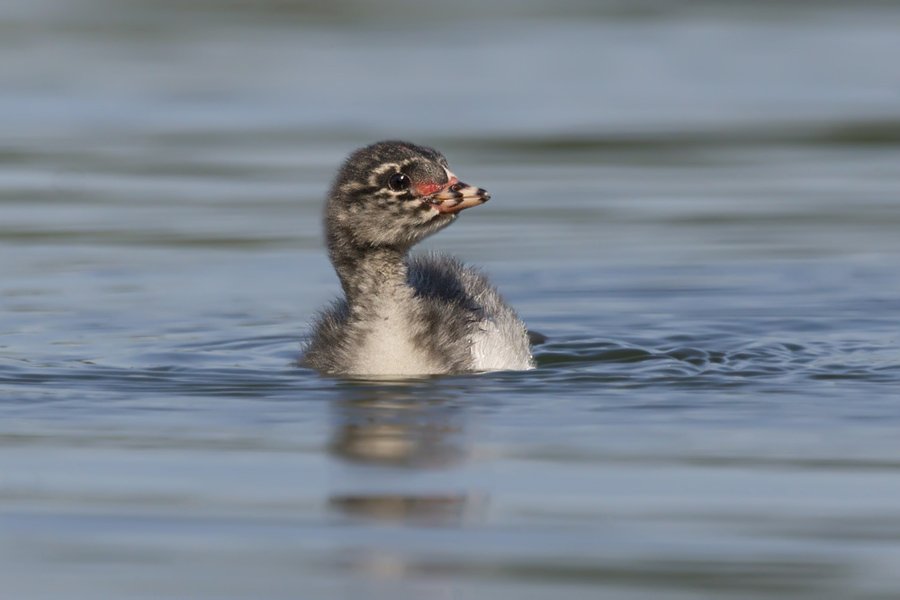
(458, 196)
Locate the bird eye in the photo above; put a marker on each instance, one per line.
(398, 182)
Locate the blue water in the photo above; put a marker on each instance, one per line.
(698, 203)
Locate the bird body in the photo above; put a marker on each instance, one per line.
(403, 316)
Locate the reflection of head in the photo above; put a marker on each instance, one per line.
(428, 509)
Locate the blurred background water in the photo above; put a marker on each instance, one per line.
(697, 201)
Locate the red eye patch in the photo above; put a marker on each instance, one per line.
(428, 188)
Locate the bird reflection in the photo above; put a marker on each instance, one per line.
(383, 429)
(400, 427)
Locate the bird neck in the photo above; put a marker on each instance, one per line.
(370, 273)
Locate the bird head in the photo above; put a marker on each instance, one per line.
(394, 194)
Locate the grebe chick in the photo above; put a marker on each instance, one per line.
(405, 315)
